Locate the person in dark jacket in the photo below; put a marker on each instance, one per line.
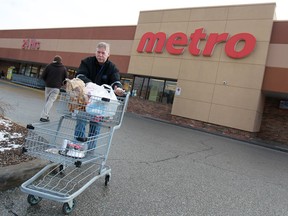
(53, 75)
(100, 70)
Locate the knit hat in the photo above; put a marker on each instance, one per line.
(57, 59)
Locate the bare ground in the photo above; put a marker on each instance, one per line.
(14, 155)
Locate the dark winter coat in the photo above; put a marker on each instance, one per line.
(54, 75)
(91, 71)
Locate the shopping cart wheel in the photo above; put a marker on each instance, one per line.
(33, 200)
(67, 209)
(107, 178)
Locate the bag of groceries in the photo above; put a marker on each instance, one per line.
(75, 89)
(102, 100)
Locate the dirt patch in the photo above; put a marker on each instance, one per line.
(12, 139)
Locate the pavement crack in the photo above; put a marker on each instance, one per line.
(166, 159)
(183, 155)
(9, 207)
(10, 211)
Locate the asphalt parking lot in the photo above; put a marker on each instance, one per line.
(163, 169)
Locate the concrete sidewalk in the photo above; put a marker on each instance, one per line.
(26, 103)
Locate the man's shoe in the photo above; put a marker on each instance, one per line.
(44, 120)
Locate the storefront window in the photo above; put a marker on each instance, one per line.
(140, 87)
(169, 92)
(158, 90)
(27, 70)
(155, 90)
(34, 71)
(127, 84)
(41, 71)
(22, 70)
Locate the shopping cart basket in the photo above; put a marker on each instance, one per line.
(73, 166)
(95, 109)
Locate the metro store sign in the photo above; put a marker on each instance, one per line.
(176, 43)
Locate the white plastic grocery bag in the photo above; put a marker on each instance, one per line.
(102, 100)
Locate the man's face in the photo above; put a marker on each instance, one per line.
(102, 55)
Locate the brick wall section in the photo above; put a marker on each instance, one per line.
(162, 112)
(274, 127)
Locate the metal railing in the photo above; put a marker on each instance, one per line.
(28, 81)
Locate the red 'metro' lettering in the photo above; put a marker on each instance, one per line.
(177, 42)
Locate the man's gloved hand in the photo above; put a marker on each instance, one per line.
(119, 91)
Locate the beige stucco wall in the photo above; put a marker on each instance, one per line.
(216, 89)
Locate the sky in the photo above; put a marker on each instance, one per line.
(34, 14)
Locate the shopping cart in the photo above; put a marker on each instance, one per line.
(72, 164)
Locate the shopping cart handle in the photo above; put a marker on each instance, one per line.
(123, 95)
(105, 99)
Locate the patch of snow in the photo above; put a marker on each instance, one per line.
(11, 146)
(6, 123)
(4, 136)
(16, 135)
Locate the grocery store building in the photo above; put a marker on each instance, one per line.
(223, 66)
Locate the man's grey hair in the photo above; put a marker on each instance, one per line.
(104, 45)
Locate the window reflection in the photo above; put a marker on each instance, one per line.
(27, 70)
(169, 91)
(152, 89)
(34, 71)
(156, 90)
(140, 87)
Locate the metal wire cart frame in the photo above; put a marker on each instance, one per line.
(75, 162)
